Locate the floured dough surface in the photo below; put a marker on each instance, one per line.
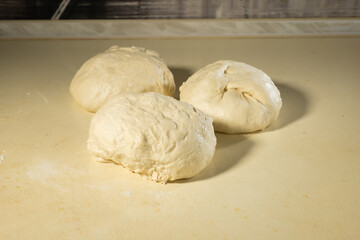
(239, 97)
(153, 135)
(119, 70)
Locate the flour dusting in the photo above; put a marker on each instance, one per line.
(126, 193)
(44, 170)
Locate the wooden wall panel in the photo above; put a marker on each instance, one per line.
(155, 9)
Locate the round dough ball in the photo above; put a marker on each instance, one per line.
(239, 97)
(153, 135)
(119, 70)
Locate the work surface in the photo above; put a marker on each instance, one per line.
(298, 179)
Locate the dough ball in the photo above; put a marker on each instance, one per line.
(153, 135)
(239, 97)
(119, 70)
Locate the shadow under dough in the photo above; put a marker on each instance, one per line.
(233, 148)
(295, 105)
(230, 150)
(180, 76)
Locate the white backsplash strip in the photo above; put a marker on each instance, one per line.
(19, 29)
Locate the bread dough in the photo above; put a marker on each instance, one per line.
(119, 70)
(153, 135)
(239, 97)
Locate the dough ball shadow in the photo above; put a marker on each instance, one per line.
(180, 76)
(295, 105)
(230, 150)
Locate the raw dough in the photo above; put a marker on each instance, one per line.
(153, 135)
(239, 97)
(119, 70)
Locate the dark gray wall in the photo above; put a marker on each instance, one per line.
(154, 9)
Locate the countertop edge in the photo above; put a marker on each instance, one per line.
(85, 29)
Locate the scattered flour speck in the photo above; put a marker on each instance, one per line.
(2, 156)
(126, 193)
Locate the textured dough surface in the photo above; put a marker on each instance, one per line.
(239, 97)
(153, 135)
(119, 70)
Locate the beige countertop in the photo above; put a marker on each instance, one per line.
(299, 179)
